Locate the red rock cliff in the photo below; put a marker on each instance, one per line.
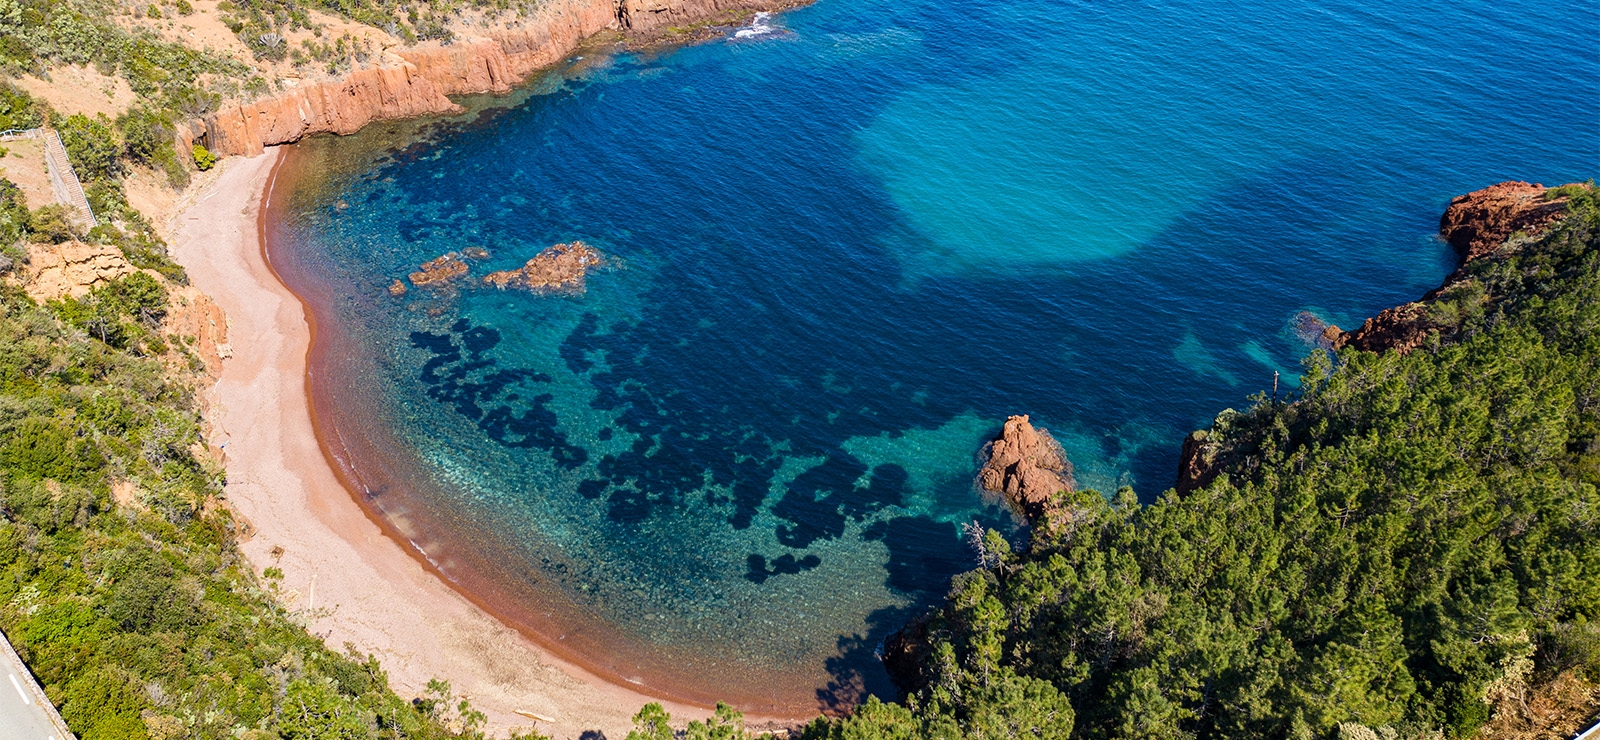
(1476, 224)
(416, 81)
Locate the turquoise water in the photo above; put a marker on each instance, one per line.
(840, 253)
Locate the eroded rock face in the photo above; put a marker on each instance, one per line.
(1480, 221)
(438, 271)
(416, 81)
(1027, 466)
(1197, 464)
(71, 269)
(561, 267)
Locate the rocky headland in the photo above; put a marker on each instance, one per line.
(419, 80)
(1480, 225)
(1476, 225)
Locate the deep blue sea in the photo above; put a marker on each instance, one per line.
(841, 251)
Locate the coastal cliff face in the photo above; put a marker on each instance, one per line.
(1476, 224)
(417, 81)
(1481, 221)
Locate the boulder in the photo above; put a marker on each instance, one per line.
(1027, 466)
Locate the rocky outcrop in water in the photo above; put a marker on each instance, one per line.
(416, 81)
(437, 271)
(561, 267)
(1476, 225)
(1027, 466)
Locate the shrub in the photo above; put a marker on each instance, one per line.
(52, 224)
(13, 213)
(145, 133)
(18, 109)
(92, 144)
(203, 158)
(43, 448)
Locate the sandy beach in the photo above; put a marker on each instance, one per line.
(354, 584)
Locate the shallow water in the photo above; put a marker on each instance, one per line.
(843, 248)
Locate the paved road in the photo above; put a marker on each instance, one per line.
(25, 714)
(21, 717)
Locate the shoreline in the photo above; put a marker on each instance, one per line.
(364, 460)
(347, 576)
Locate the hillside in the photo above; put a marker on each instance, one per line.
(1407, 549)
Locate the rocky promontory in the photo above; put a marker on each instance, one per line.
(1026, 465)
(1477, 225)
(1481, 221)
(560, 267)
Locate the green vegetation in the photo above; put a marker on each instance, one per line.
(203, 158)
(119, 580)
(18, 110)
(100, 151)
(1407, 550)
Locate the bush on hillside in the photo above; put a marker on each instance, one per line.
(203, 158)
(92, 144)
(52, 224)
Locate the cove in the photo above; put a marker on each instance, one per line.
(839, 253)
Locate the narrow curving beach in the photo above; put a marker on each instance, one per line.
(358, 586)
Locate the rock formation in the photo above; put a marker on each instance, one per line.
(1197, 463)
(1027, 466)
(1480, 222)
(438, 271)
(1476, 224)
(561, 267)
(71, 269)
(416, 81)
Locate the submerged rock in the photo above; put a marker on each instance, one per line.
(1027, 466)
(561, 267)
(439, 270)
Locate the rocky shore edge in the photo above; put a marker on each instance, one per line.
(419, 80)
(1480, 225)
(1028, 469)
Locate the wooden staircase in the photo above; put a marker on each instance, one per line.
(63, 180)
